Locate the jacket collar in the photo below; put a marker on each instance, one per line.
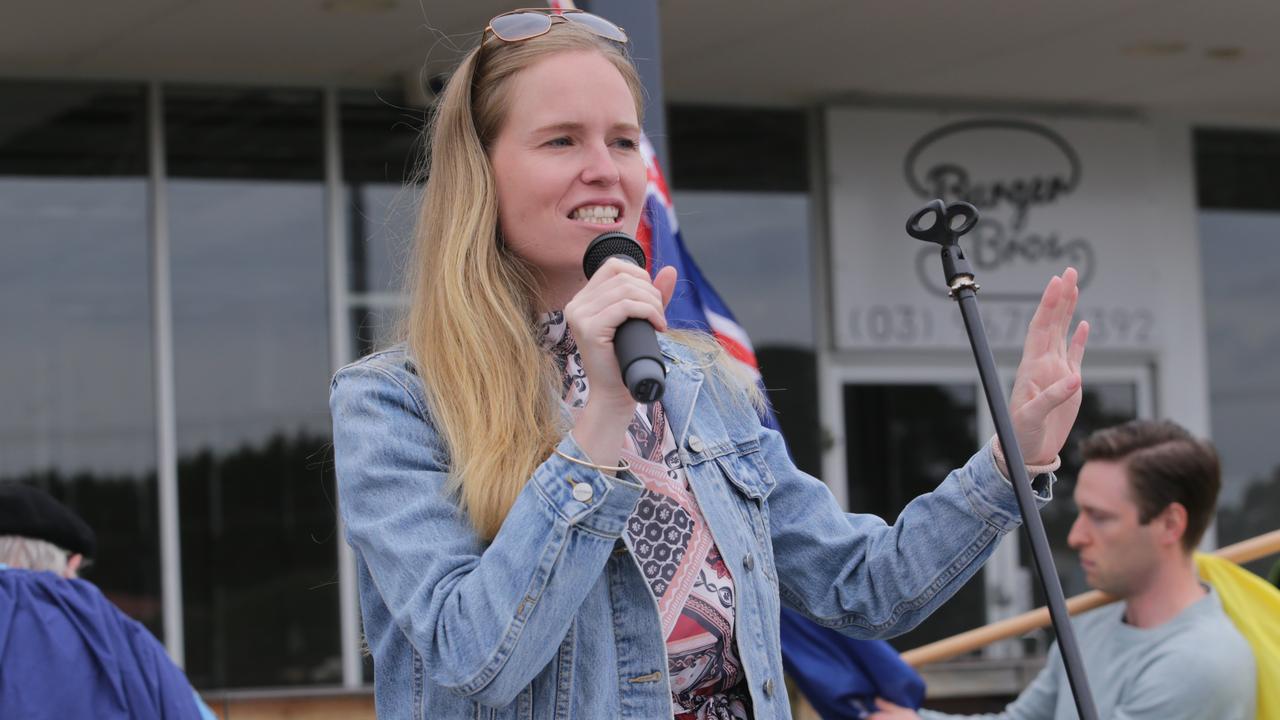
(684, 381)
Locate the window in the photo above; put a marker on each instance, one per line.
(741, 194)
(901, 441)
(1237, 179)
(1239, 251)
(381, 155)
(78, 417)
(251, 366)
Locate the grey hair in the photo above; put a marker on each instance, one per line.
(27, 553)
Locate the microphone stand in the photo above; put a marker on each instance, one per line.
(946, 231)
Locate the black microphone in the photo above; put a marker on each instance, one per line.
(634, 342)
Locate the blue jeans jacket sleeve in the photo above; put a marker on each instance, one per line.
(869, 579)
(485, 618)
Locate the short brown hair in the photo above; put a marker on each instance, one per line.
(1165, 464)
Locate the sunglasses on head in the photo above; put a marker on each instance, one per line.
(528, 23)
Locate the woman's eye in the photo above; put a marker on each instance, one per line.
(627, 143)
(560, 142)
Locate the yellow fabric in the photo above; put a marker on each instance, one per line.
(1253, 605)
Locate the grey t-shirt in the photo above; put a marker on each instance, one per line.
(1195, 666)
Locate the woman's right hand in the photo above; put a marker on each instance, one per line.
(617, 292)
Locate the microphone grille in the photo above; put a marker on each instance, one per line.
(606, 246)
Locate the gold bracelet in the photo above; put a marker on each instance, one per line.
(625, 466)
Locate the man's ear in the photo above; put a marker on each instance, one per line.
(1173, 523)
(73, 566)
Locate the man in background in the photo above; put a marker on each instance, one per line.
(65, 650)
(1146, 494)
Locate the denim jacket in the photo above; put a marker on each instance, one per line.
(553, 618)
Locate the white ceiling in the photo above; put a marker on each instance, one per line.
(1206, 58)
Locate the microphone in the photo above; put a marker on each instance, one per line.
(634, 342)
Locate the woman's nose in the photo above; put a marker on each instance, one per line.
(600, 167)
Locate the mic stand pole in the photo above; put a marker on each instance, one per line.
(946, 231)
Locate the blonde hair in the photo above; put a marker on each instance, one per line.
(472, 312)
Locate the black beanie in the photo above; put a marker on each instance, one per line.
(32, 513)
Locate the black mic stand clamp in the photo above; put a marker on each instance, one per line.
(948, 223)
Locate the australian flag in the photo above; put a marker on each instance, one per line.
(840, 676)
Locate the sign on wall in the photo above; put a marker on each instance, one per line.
(1091, 194)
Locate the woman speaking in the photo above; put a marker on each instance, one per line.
(533, 543)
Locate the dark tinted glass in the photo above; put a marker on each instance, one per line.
(1238, 169)
(251, 356)
(753, 247)
(731, 148)
(1240, 252)
(901, 441)
(260, 133)
(382, 137)
(382, 157)
(77, 416)
(740, 188)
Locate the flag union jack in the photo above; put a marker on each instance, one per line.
(695, 304)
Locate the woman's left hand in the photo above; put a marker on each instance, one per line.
(1047, 388)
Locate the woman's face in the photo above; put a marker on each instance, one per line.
(567, 164)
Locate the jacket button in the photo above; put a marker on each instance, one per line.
(694, 444)
(749, 562)
(582, 492)
(768, 687)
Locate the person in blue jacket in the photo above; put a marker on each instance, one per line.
(66, 652)
(532, 543)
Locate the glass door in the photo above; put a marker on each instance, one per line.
(896, 431)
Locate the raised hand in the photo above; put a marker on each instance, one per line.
(1047, 388)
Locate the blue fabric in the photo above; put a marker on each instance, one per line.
(66, 653)
(840, 676)
(694, 296)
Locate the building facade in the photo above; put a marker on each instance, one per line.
(187, 254)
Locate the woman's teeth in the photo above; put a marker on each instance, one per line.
(598, 214)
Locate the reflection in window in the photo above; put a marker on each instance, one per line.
(381, 226)
(378, 243)
(381, 154)
(753, 247)
(251, 363)
(78, 415)
(1239, 254)
(901, 441)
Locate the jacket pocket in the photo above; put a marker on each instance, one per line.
(751, 481)
(748, 473)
